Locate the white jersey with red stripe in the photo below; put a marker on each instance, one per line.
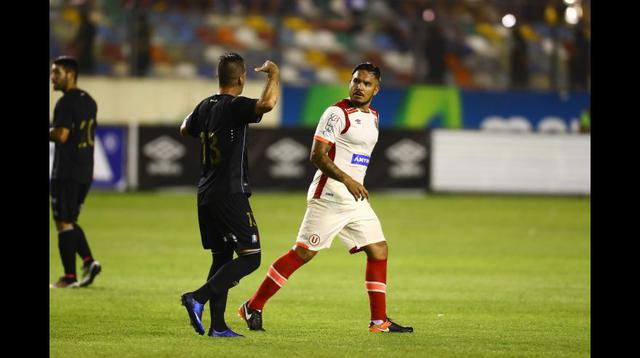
(352, 135)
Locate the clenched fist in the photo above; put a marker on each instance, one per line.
(268, 67)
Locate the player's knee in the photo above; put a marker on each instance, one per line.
(377, 251)
(251, 257)
(305, 254)
(253, 260)
(62, 225)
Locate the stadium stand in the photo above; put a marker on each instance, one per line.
(318, 41)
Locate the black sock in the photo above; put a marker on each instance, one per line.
(83, 246)
(224, 277)
(67, 244)
(217, 307)
(217, 287)
(218, 260)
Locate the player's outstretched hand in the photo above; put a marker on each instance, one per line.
(268, 67)
(356, 189)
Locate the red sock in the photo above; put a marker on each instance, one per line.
(376, 284)
(277, 276)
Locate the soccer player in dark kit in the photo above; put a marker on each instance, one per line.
(73, 131)
(225, 217)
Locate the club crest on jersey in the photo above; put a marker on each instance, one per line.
(314, 239)
(360, 159)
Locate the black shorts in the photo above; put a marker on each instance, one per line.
(227, 223)
(67, 197)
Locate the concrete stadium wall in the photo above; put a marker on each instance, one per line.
(468, 161)
(158, 101)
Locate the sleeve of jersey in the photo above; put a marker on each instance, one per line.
(63, 114)
(245, 109)
(331, 124)
(192, 127)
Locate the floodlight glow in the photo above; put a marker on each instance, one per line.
(428, 15)
(571, 15)
(508, 20)
(569, 2)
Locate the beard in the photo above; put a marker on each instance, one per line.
(59, 86)
(360, 103)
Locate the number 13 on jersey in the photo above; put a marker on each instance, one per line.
(210, 141)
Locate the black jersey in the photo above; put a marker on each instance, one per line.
(221, 124)
(76, 111)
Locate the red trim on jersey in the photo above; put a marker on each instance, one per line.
(324, 178)
(347, 108)
(376, 114)
(321, 184)
(320, 139)
(344, 104)
(347, 123)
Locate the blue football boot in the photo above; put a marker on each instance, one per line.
(227, 333)
(194, 309)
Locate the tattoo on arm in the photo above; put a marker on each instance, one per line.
(321, 160)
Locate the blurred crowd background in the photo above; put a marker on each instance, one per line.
(469, 44)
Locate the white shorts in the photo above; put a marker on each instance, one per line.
(356, 224)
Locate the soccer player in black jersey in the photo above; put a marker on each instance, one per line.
(73, 131)
(225, 217)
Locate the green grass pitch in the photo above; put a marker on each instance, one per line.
(476, 276)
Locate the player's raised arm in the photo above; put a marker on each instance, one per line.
(269, 97)
(321, 160)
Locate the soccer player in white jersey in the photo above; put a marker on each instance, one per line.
(337, 202)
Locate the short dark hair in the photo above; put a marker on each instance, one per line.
(368, 66)
(69, 63)
(230, 67)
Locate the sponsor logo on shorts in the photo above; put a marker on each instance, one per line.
(254, 238)
(360, 159)
(314, 239)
